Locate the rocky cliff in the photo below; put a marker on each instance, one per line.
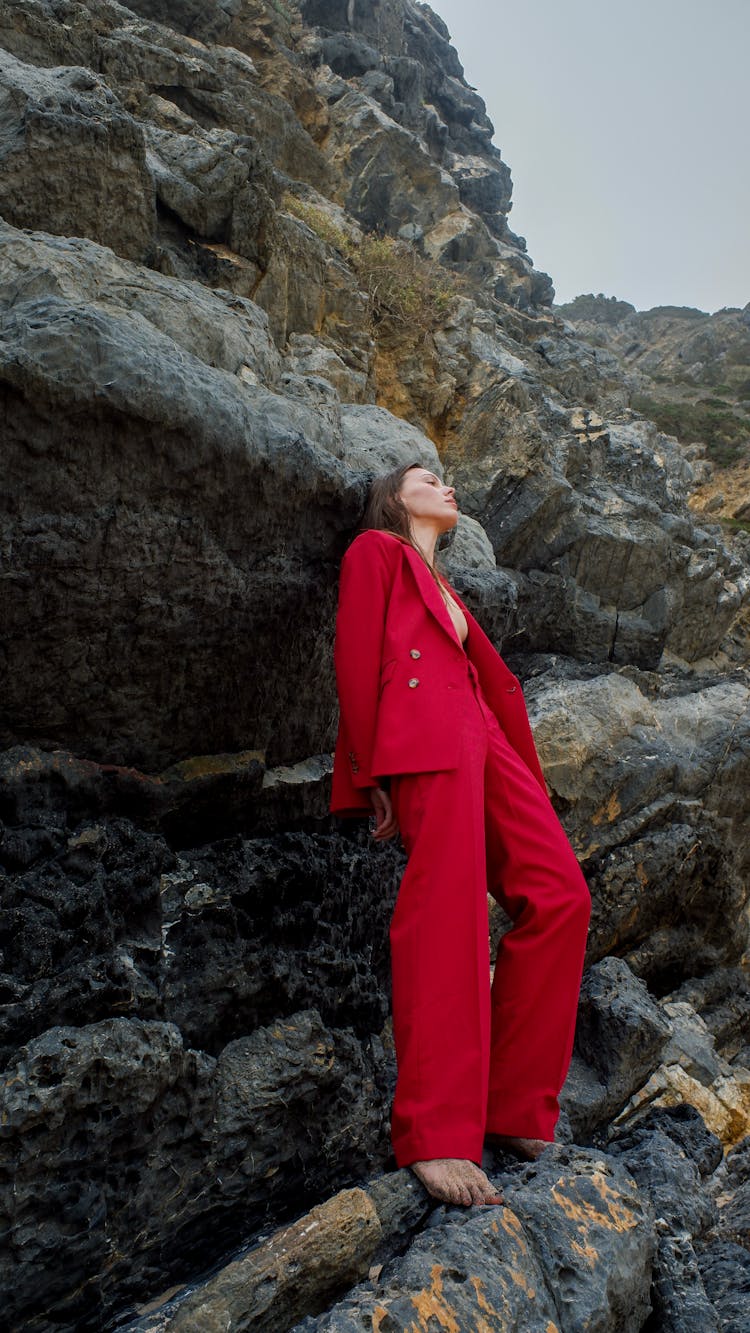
(690, 371)
(251, 254)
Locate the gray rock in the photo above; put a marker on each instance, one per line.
(678, 1294)
(470, 547)
(132, 569)
(390, 177)
(671, 1154)
(217, 183)
(63, 130)
(308, 357)
(571, 1247)
(725, 1272)
(660, 1152)
(638, 793)
(222, 330)
(375, 441)
(722, 999)
(603, 514)
(620, 1035)
(733, 1199)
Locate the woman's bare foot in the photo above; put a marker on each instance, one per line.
(454, 1180)
(531, 1149)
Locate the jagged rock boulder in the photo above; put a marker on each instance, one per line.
(620, 1035)
(121, 1145)
(160, 582)
(389, 176)
(648, 774)
(263, 926)
(613, 566)
(570, 1249)
(672, 1156)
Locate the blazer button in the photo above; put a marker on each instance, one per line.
(414, 652)
(414, 681)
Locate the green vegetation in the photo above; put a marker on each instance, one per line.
(282, 10)
(318, 221)
(734, 524)
(407, 292)
(710, 421)
(410, 296)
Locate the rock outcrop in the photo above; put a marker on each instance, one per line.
(251, 254)
(691, 371)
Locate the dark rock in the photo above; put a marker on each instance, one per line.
(80, 931)
(267, 925)
(101, 918)
(722, 998)
(348, 55)
(668, 1153)
(686, 1128)
(678, 1295)
(620, 1034)
(671, 1154)
(133, 575)
(725, 1271)
(219, 184)
(738, 1162)
(391, 179)
(572, 1247)
(733, 1201)
(135, 1161)
(62, 130)
(106, 1131)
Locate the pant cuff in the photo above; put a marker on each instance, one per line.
(464, 1147)
(530, 1124)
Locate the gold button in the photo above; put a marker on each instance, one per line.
(414, 652)
(414, 681)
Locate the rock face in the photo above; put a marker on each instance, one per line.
(692, 372)
(214, 218)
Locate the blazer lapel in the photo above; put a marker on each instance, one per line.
(431, 595)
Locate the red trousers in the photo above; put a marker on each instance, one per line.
(471, 1059)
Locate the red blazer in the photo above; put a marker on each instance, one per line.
(398, 659)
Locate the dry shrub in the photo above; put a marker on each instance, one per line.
(410, 296)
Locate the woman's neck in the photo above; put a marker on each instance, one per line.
(425, 535)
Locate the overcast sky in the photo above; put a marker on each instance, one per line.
(625, 127)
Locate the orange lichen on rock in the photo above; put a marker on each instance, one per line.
(609, 811)
(431, 1304)
(586, 1252)
(614, 1215)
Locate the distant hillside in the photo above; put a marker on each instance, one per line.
(691, 368)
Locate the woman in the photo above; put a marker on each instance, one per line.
(434, 740)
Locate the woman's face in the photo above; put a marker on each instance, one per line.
(426, 497)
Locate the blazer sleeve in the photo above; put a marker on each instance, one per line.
(364, 588)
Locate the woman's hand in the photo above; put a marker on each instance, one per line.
(385, 820)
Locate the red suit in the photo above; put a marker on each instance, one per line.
(447, 723)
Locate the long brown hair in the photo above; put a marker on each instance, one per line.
(386, 510)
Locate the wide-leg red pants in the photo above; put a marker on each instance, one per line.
(471, 1060)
